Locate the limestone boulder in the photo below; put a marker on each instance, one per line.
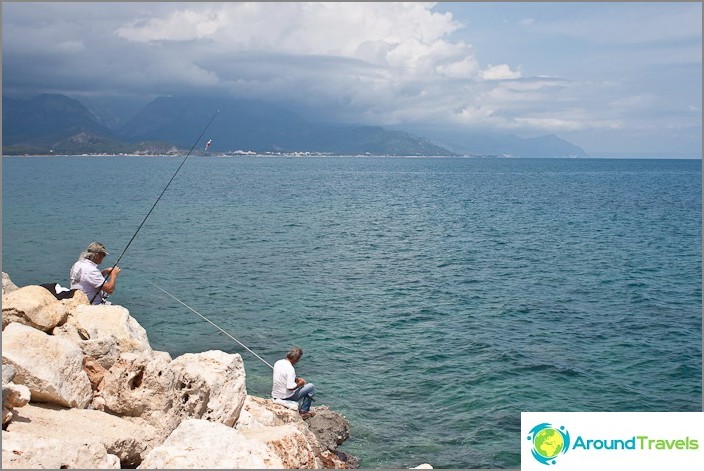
(220, 375)
(7, 285)
(208, 385)
(70, 331)
(263, 416)
(51, 367)
(105, 350)
(288, 444)
(33, 306)
(139, 385)
(21, 451)
(210, 445)
(128, 441)
(13, 396)
(258, 412)
(108, 320)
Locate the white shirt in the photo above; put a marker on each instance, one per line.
(86, 276)
(284, 379)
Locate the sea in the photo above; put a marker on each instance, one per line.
(435, 299)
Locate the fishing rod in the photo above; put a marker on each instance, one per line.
(205, 318)
(155, 203)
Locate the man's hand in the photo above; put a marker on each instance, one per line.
(111, 271)
(300, 382)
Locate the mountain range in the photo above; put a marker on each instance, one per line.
(58, 124)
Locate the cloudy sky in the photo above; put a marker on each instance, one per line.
(621, 79)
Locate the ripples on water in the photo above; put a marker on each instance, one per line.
(435, 299)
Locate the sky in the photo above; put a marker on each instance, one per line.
(617, 79)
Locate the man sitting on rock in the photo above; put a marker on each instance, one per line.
(86, 276)
(288, 387)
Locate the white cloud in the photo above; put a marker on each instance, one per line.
(499, 72)
(181, 25)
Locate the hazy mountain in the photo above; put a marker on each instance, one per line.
(262, 127)
(113, 112)
(487, 142)
(65, 125)
(46, 119)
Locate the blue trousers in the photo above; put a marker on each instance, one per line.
(304, 396)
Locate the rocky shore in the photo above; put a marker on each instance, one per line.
(82, 388)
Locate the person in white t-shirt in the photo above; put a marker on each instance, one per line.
(86, 276)
(287, 386)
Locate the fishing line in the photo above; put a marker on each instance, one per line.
(155, 203)
(206, 319)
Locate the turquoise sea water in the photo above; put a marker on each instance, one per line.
(435, 299)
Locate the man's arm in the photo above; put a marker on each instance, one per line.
(109, 285)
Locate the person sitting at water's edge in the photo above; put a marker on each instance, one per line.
(86, 276)
(287, 386)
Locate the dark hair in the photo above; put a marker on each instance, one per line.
(295, 353)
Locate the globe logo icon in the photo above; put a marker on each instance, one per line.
(549, 442)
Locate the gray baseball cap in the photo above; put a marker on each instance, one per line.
(96, 247)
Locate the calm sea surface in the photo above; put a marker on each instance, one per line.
(435, 299)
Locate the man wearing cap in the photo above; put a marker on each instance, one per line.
(86, 276)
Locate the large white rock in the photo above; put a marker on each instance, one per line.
(20, 451)
(258, 412)
(51, 367)
(139, 385)
(104, 349)
(218, 373)
(105, 320)
(322, 433)
(289, 444)
(128, 441)
(209, 385)
(33, 306)
(209, 445)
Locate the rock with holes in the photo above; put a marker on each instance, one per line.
(221, 375)
(139, 385)
(33, 306)
(145, 386)
(128, 441)
(27, 451)
(103, 321)
(208, 385)
(209, 445)
(51, 367)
